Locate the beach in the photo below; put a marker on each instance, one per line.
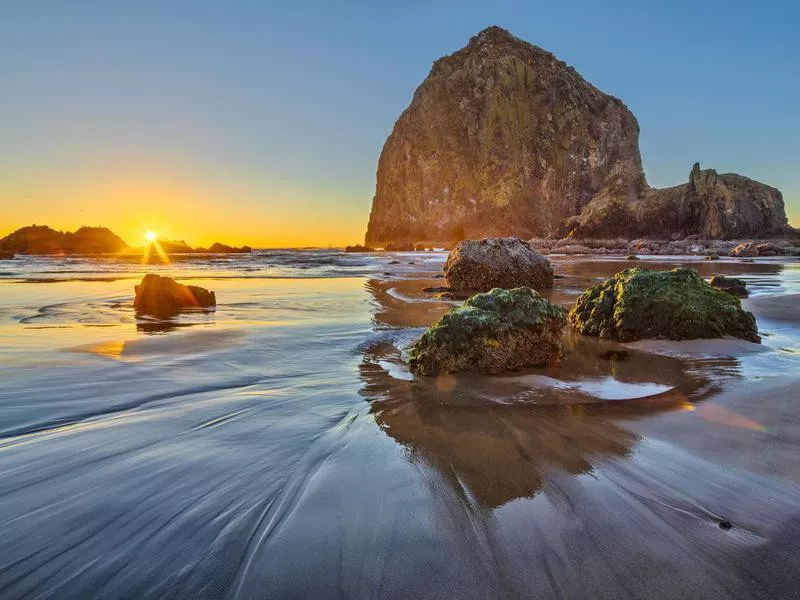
(279, 447)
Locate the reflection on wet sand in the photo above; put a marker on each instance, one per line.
(496, 439)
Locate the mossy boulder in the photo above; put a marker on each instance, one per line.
(492, 332)
(638, 304)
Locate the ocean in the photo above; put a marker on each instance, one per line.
(278, 447)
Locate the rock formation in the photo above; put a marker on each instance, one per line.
(710, 205)
(358, 248)
(164, 297)
(731, 285)
(504, 139)
(219, 248)
(40, 239)
(493, 332)
(638, 304)
(480, 265)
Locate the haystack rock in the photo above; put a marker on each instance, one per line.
(503, 139)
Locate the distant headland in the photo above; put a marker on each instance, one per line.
(41, 239)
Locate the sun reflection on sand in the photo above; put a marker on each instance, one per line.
(154, 245)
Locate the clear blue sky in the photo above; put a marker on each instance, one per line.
(277, 111)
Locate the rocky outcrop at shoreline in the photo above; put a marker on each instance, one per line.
(711, 205)
(504, 139)
(690, 246)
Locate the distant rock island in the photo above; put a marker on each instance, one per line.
(502, 138)
(41, 239)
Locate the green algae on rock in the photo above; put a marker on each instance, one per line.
(492, 332)
(639, 303)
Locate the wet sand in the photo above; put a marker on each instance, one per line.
(279, 448)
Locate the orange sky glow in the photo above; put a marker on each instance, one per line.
(264, 214)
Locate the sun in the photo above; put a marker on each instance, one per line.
(151, 236)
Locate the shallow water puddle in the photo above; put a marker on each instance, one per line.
(608, 388)
(188, 343)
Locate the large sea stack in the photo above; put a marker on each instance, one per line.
(503, 139)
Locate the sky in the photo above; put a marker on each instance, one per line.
(262, 122)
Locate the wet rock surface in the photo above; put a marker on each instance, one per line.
(492, 332)
(480, 265)
(732, 285)
(163, 297)
(638, 304)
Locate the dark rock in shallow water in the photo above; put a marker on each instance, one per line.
(401, 246)
(218, 248)
(731, 285)
(164, 297)
(751, 249)
(493, 332)
(481, 265)
(679, 304)
(7, 254)
(358, 248)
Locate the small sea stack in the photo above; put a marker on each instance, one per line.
(163, 297)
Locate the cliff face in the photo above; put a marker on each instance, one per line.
(40, 239)
(502, 139)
